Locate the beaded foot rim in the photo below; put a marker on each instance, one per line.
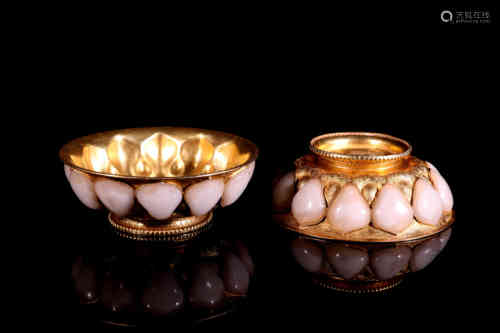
(176, 235)
(358, 287)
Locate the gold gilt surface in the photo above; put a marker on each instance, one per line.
(367, 184)
(178, 229)
(323, 230)
(369, 177)
(175, 155)
(159, 153)
(360, 146)
(360, 152)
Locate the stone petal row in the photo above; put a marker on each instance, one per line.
(159, 199)
(390, 211)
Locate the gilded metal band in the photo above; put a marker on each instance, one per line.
(357, 287)
(125, 228)
(416, 231)
(365, 140)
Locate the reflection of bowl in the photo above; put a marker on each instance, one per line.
(159, 183)
(139, 285)
(364, 267)
(362, 187)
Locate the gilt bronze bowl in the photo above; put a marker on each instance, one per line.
(159, 183)
(365, 188)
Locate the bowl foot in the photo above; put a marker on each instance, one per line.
(175, 230)
(357, 287)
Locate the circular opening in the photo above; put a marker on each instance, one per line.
(158, 152)
(360, 146)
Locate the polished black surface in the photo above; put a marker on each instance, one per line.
(278, 296)
(357, 264)
(120, 282)
(394, 69)
(103, 280)
(427, 91)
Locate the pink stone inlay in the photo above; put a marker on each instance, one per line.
(391, 211)
(159, 199)
(442, 187)
(427, 205)
(67, 171)
(83, 187)
(349, 211)
(309, 204)
(236, 185)
(118, 197)
(203, 196)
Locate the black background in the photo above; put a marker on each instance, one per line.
(279, 85)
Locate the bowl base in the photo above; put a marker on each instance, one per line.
(175, 230)
(357, 287)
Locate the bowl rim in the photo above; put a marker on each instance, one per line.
(65, 157)
(313, 146)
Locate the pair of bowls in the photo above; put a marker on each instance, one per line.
(164, 183)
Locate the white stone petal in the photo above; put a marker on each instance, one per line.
(236, 185)
(283, 192)
(431, 166)
(159, 199)
(203, 196)
(309, 205)
(83, 187)
(391, 211)
(349, 211)
(67, 171)
(442, 187)
(427, 205)
(118, 197)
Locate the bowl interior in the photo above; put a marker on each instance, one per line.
(158, 152)
(353, 145)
